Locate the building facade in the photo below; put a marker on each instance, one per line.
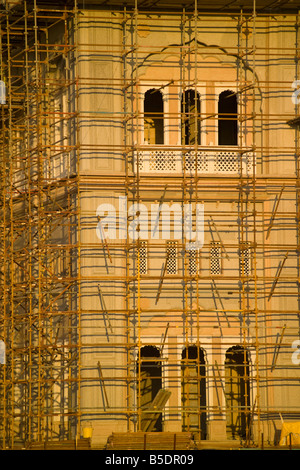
(150, 220)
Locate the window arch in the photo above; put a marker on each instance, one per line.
(193, 391)
(227, 118)
(191, 118)
(153, 117)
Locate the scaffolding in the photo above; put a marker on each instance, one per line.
(149, 221)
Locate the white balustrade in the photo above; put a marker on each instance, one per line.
(212, 161)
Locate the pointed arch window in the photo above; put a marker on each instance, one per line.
(227, 118)
(191, 118)
(153, 117)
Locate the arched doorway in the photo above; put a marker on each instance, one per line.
(150, 380)
(227, 118)
(193, 390)
(153, 117)
(237, 390)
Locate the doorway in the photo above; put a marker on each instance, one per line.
(150, 380)
(237, 390)
(193, 390)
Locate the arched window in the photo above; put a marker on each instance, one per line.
(193, 391)
(227, 118)
(151, 381)
(153, 117)
(237, 389)
(191, 118)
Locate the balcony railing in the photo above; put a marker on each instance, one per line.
(206, 161)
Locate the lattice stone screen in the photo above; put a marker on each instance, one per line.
(143, 257)
(172, 257)
(204, 161)
(161, 160)
(215, 258)
(245, 261)
(193, 262)
(199, 160)
(226, 162)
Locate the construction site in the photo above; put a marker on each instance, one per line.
(150, 224)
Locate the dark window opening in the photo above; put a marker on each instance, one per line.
(151, 381)
(153, 117)
(227, 119)
(194, 390)
(191, 118)
(237, 389)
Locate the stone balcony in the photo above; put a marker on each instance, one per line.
(212, 160)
